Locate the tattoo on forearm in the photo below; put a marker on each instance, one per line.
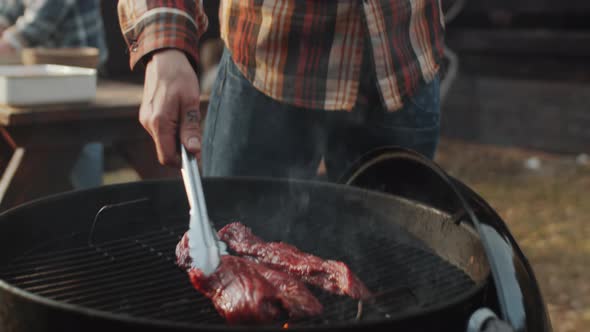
(192, 116)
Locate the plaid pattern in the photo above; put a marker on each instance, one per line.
(10, 10)
(305, 53)
(53, 23)
(150, 25)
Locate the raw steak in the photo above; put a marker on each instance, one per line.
(332, 276)
(238, 292)
(183, 258)
(244, 291)
(297, 300)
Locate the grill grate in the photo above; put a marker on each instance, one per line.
(137, 276)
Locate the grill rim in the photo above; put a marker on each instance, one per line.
(478, 288)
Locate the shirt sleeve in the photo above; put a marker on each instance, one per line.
(150, 25)
(10, 10)
(39, 20)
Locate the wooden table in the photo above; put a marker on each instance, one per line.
(39, 145)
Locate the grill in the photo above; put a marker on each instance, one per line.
(116, 271)
(65, 268)
(137, 276)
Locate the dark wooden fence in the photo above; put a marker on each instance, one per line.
(524, 75)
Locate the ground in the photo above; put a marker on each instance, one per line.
(546, 208)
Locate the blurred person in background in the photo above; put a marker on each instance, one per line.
(58, 24)
(298, 80)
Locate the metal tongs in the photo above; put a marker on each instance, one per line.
(205, 248)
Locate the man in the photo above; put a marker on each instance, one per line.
(57, 24)
(298, 80)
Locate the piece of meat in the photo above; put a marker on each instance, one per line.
(183, 258)
(238, 292)
(244, 291)
(332, 276)
(297, 300)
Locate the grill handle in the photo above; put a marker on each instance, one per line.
(380, 170)
(485, 320)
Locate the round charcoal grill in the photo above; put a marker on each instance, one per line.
(104, 258)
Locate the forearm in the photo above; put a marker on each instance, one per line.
(151, 25)
(39, 20)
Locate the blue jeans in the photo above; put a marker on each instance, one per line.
(250, 134)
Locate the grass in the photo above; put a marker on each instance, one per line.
(547, 211)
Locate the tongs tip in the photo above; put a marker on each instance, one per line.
(205, 248)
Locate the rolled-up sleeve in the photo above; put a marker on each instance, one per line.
(150, 25)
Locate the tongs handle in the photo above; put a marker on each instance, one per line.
(193, 185)
(202, 237)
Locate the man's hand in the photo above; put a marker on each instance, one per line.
(170, 105)
(6, 48)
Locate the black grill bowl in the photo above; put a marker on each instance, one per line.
(59, 273)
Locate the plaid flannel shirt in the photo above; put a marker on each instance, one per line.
(306, 53)
(53, 23)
